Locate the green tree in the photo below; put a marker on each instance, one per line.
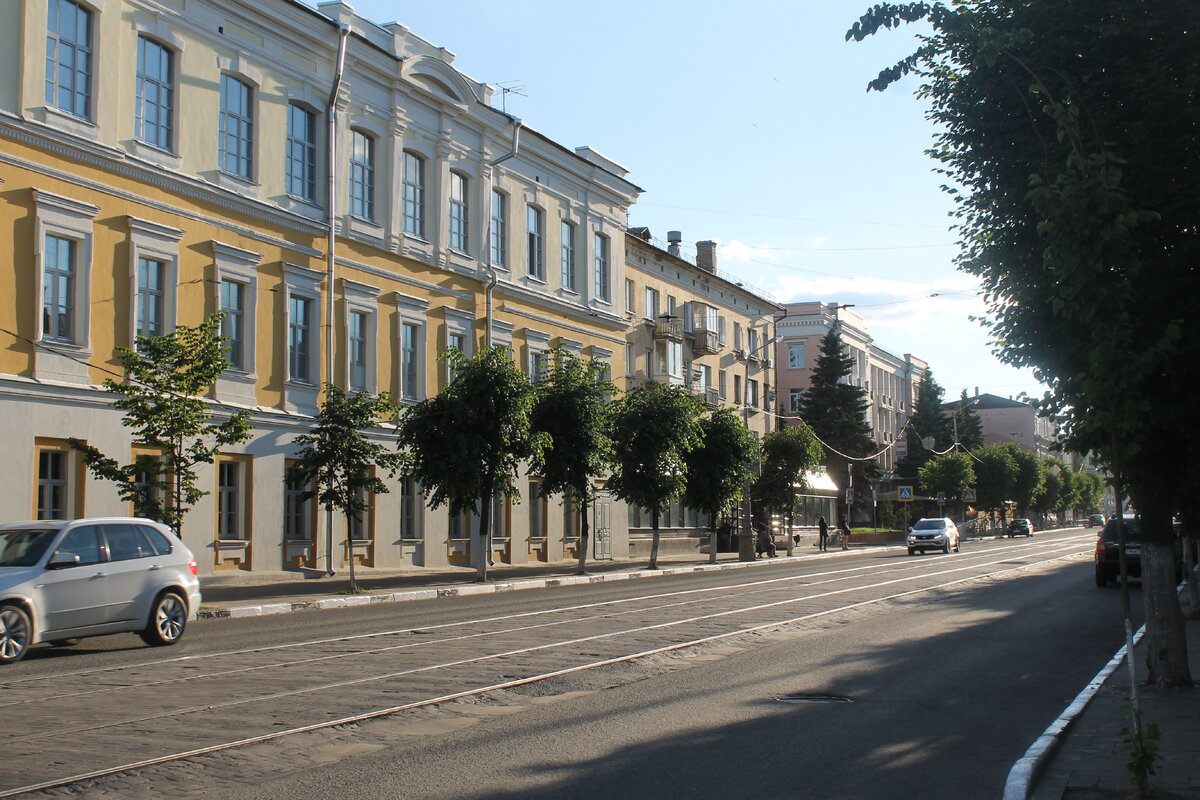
(1030, 476)
(950, 473)
(654, 427)
(970, 427)
(162, 398)
(787, 455)
(928, 421)
(1089, 492)
(837, 412)
(996, 477)
(338, 462)
(718, 469)
(1052, 492)
(466, 444)
(1071, 168)
(571, 412)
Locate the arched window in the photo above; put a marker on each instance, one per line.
(236, 149)
(155, 94)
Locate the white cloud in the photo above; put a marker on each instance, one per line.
(743, 253)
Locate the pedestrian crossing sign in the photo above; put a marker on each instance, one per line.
(968, 495)
(905, 493)
(941, 498)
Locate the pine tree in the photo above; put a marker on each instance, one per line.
(836, 410)
(970, 428)
(926, 421)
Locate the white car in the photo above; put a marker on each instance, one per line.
(933, 533)
(61, 581)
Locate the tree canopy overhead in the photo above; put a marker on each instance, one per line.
(1068, 132)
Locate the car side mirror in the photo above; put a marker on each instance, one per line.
(62, 560)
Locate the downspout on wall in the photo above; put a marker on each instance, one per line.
(330, 245)
(492, 277)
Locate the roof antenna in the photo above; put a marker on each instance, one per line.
(507, 88)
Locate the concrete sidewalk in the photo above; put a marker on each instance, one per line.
(1089, 761)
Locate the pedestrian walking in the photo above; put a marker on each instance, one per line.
(823, 531)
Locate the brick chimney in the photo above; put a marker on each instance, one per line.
(706, 256)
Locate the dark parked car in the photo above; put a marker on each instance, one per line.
(1108, 566)
(1094, 519)
(1020, 527)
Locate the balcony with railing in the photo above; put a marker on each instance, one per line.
(705, 342)
(668, 327)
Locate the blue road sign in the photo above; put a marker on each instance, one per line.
(941, 498)
(968, 495)
(906, 493)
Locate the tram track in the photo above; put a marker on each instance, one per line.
(197, 727)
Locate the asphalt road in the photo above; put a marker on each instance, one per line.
(931, 693)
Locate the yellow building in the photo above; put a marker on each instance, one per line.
(163, 161)
(690, 326)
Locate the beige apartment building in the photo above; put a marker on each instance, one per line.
(690, 326)
(353, 218)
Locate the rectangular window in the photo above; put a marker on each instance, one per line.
(52, 484)
(737, 389)
(409, 356)
(737, 336)
(537, 511)
(362, 175)
(669, 357)
(795, 355)
(414, 194)
(409, 509)
(535, 229)
(458, 212)
(155, 94)
(233, 305)
(629, 296)
(362, 525)
(721, 388)
(58, 290)
(237, 127)
(69, 58)
(602, 277)
(499, 233)
(300, 339)
(539, 365)
(568, 256)
(229, 500)
(752, 392)
(298, 511)
(150, 298)
(301, 158)
(356, 335)
(752, 341)
(454, 341)
(651, 303)
(795, 400)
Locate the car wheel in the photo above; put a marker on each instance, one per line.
(911, 551)
(946, 547)
(956, 544)
(168, 619)
(16, 633)
(1101, 576)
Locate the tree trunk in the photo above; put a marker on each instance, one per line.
(350, 553)
(1166, 638)
(581, 569)
(1191, 587)
(484, 553)
(654, 540)
(791, 542)
(712, 538)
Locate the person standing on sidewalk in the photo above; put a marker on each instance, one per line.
(823, 532)
(844, 529)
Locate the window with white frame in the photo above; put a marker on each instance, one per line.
(629, 306)
(651, 310)
(752, 341)
(414, 194)
(668, 358)
(795, 355)
(236, 147)
(630, 367)
(362, 525)
(233, 324)
(151, 297)
(601, 267)
(535, 231)
(155, 91)
(499, 231)
(231, 500)
(301, 153)
(53, 484)
(362, 175)
(300, 338)
(357, 333)
(410, 361)
(737, 336)
(69, 58)
(539, 365)
(59, 270)
(752, 392)
(458, 212)
(410, 508)
(795, 400)
(298, 510)
(737, 389)
(568, 255)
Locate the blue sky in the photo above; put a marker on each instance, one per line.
(749, 124)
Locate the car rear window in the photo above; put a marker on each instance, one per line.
(1133, 529)
(160, 543)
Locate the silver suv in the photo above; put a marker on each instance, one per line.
(933, 533)
(61, 581)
